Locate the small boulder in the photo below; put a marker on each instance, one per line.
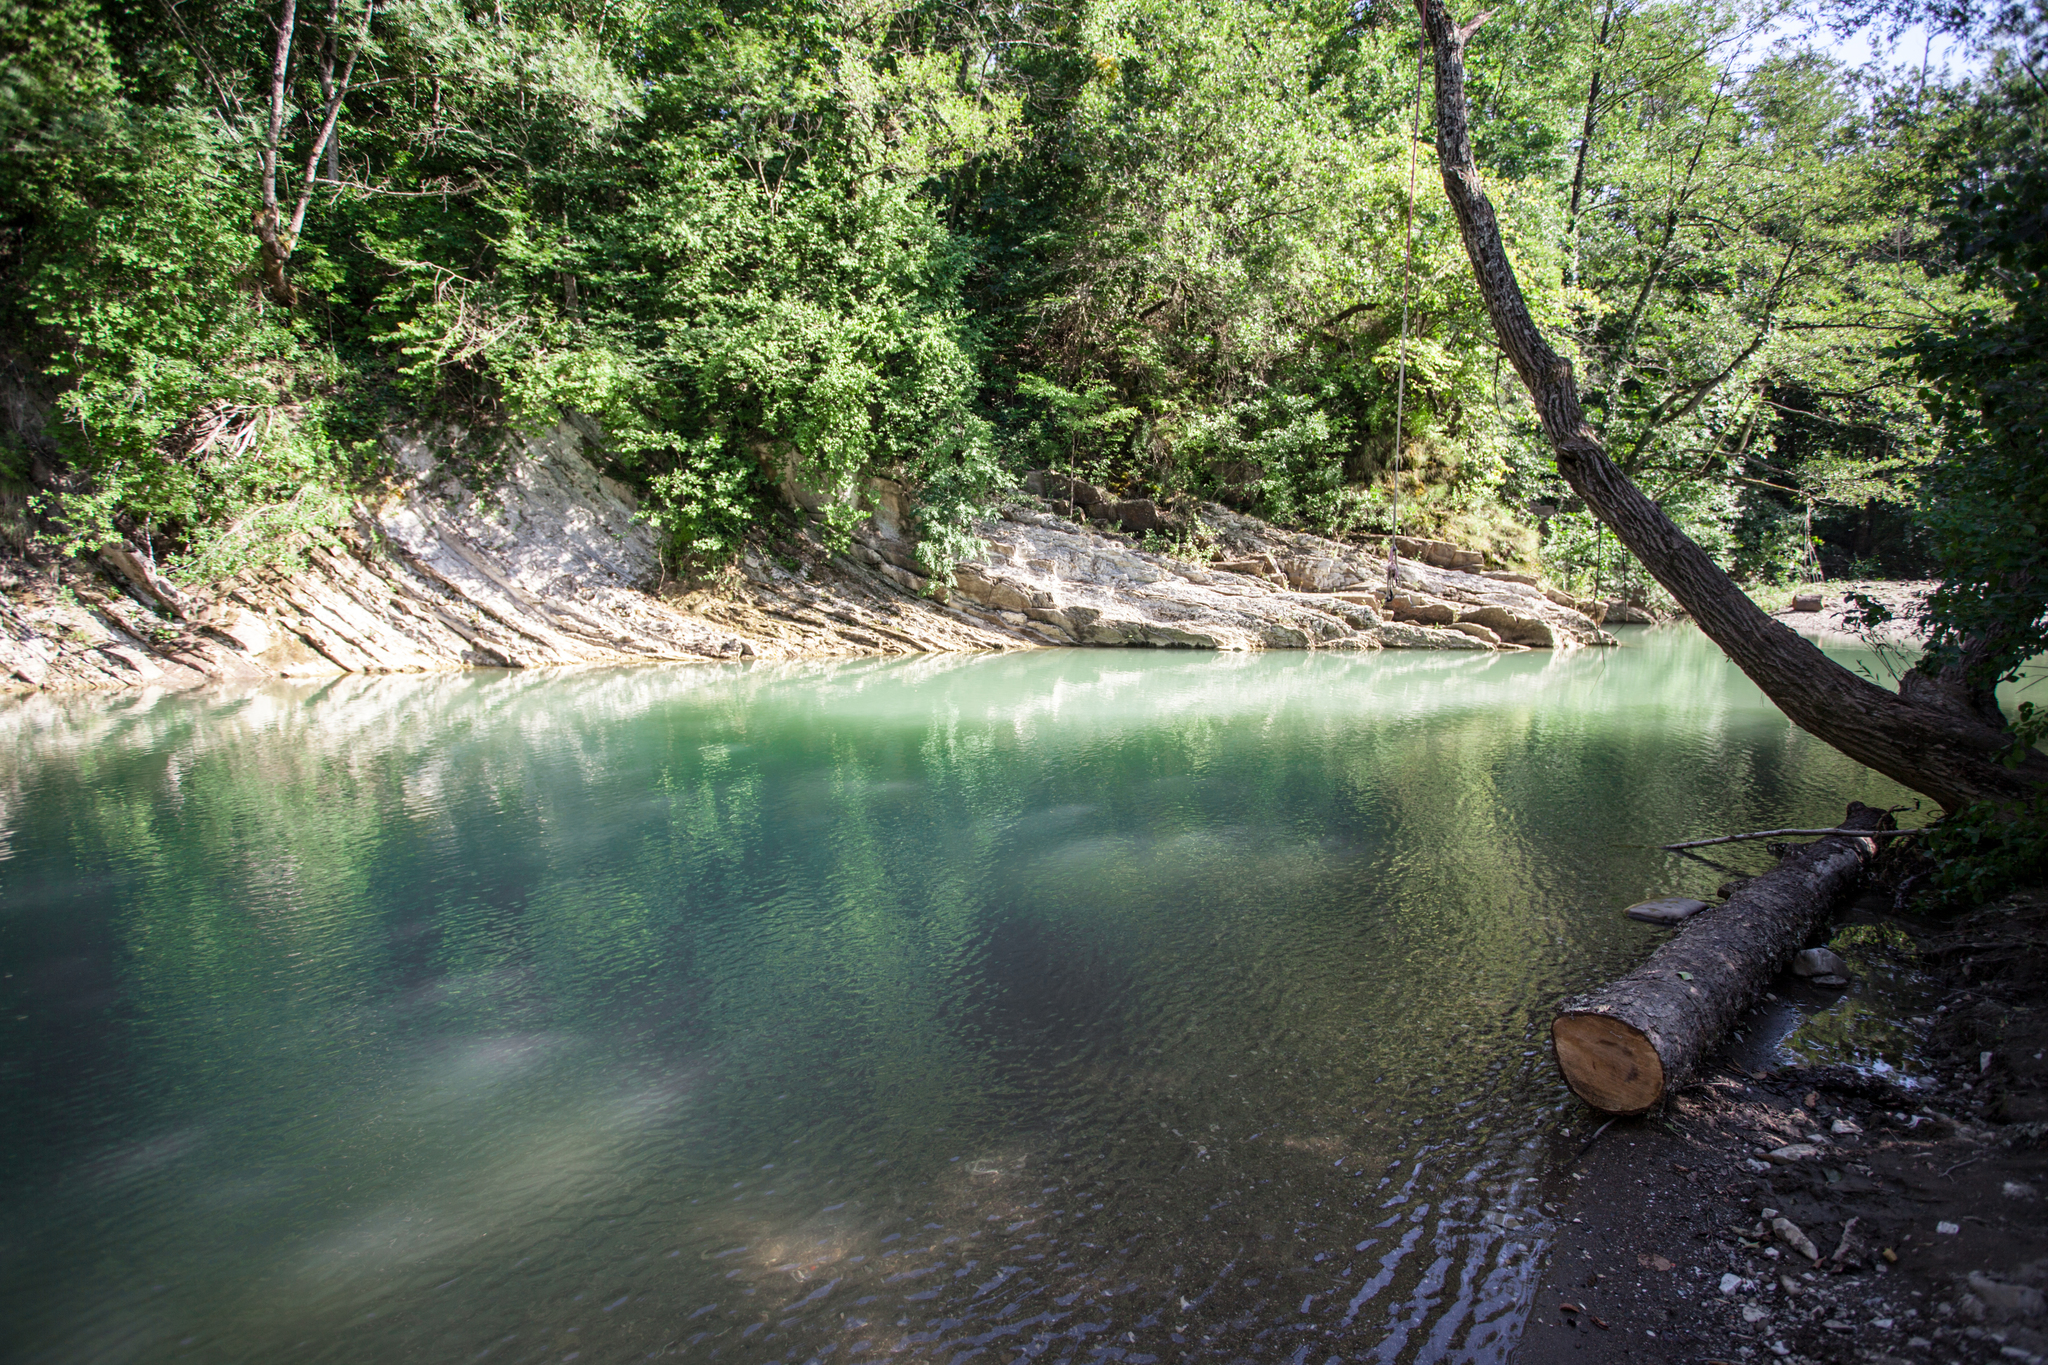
(1061, 490)
(1422, 611)
(1134, 514)
(1319, 575)
(1807, 601)
(1476, 631)
(1513, 626)
(1260, 566)
(1666, 911)
(1820, 962)
(2007, 1301)
(1620, 613)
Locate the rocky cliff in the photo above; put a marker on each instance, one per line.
(548, 566)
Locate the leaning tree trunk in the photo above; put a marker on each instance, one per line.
(1941, 750)
(1625, 1046)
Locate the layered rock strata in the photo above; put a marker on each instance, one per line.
(553, 568)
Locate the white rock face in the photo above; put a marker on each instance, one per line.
(1073, 586)
(550, 566)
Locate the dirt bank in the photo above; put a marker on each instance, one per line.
(1921, 1192)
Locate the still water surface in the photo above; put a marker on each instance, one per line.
(1073, 1006)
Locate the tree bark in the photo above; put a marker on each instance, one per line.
(1947, 752)
(1624, 1047)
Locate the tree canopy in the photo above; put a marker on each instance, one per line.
(1156, 242)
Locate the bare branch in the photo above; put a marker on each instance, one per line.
(1789, 833)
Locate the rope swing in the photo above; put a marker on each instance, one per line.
(1401, 366)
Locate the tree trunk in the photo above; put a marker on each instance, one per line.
(1625, 1046)
(1945, 751)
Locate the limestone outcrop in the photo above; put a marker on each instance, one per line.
(1054, 582)
(552, 567)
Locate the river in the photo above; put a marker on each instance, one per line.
(1070, 1006)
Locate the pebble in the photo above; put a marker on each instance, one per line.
(1796, 1151)
(1752, 1313)
(2018, 1189)
(1792, 1236)
(1948, 1229)
(1843, 1127)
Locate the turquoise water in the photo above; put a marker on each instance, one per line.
(1068, 1006)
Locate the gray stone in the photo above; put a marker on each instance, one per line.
(1476, 631)
(1666, 910)
(1419, 610)
(2007, 1300)
(1261, 566)
(1819, 962)
(1514, 626)
(1062, 491)
(1807, 602)
(1832, 982)
(1319, 573)
(1135, 514)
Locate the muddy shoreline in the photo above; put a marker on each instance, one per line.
(1921, 1191)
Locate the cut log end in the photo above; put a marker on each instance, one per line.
(1610, 1065)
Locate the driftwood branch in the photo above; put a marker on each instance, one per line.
(1786, 834)
(1947, 752)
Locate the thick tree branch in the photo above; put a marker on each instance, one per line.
(1946, 753)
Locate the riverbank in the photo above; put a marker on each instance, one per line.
(1921, 1194)
(548, 565)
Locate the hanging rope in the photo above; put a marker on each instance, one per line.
(1401, 366)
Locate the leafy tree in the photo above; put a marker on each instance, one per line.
(1987, 369)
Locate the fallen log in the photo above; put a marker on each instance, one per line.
(1623, 1047)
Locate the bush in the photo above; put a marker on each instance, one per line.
(1984, 851)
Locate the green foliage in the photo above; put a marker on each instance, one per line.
(1987, 371)
(778, 252)
(1888, 939)
(1985, 850)
(191, 412)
